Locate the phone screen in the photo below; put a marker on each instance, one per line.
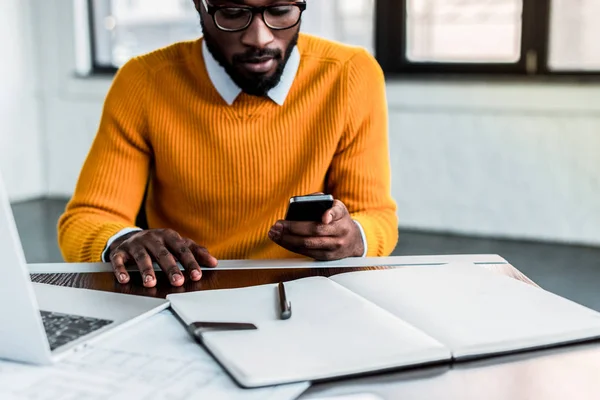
(309, 208)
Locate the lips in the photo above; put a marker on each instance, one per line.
(259, 65)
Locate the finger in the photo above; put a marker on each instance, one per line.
(301, 228)
(335, 213)
(309, 246)
(118, 260)
(203, 256)
(166, 261)
(321, 255)
(180, 248)
(144, 264)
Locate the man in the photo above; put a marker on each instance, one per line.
(224, 130)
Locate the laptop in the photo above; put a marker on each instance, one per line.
(40, 324)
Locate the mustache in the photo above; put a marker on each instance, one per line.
(254, 55)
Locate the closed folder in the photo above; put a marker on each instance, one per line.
(371, 321)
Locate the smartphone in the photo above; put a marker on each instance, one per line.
(309, 208)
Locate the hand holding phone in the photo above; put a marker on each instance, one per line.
(320, 227)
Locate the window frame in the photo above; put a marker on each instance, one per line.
(391, 32)
(96, 68)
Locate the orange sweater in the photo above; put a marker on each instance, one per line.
(222, 175)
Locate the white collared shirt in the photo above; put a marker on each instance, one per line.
(229, 91)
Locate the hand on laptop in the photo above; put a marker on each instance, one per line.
(166, 247)
(334, 238)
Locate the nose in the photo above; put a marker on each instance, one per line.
(258, 34)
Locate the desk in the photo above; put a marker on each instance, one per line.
(571, 372)
(560, 374)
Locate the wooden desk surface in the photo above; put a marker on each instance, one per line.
(571, 372)
(215, 279)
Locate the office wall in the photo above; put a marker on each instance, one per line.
(21, 139)
(506, 159)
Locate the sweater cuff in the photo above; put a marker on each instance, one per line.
(94, 251)
(373, 235)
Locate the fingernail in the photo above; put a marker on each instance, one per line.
(148, 279)
(278, 228)
(195, 274)
(122, 277)
(176, 277)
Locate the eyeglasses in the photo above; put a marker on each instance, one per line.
(237, 18)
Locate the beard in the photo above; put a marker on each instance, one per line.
(256, 84)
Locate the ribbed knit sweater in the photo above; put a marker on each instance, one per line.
(222, 175)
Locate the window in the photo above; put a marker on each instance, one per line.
(121, 29)
(356, 22)
(535, 37)
(574, 35)
(519, 37)
(446, 31)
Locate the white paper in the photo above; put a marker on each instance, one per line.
(332, 332)
(473, 311)
(154, 360)
(354, 396)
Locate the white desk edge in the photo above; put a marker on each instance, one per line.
(403, 261)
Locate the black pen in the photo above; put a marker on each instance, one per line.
(284, 304)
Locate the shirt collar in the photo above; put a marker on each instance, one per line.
(229, 91)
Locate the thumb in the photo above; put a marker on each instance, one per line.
(335, 213)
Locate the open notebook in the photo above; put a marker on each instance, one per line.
(368, 321)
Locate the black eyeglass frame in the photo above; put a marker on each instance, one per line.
(212, 10)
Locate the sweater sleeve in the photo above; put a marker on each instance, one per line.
(360, 174)
(113, 179)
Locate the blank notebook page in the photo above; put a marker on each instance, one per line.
(474, 311)
(332, 332)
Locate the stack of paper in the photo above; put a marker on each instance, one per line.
(153, 360)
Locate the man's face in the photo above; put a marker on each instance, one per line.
(255, 57)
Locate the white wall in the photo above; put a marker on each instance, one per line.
(503, 159)
(512, 160)
(21, 139)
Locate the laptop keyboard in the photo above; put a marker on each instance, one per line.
(64, 328)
